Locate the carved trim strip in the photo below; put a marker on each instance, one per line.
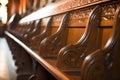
(81, 15)
(77, 3)
(61, 7)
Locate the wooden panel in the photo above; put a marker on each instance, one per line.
(74, 35)
(106, 35)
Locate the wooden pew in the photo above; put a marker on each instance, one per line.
(59, 38)
(26, 37)
(71, 57)
(35, 42)
(76, 19)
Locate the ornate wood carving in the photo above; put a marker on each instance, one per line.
(62, 7)
(76, 3)
(104, 64)
(71, 57)
(80, 16)
(28, 37)
(100, 65)
(23, 29)
(30, 28)
(35, 31)
(108, 11)
(55, 41)
(35, 41)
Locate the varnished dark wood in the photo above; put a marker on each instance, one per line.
(22, 60)
(54, 71)
(12, 23)
(62, 7)
(71, 57)
(35, 41)
(2, 29)
(35, 31)
(28, 36)
(55, 41)
(32, 66)
(104, 64)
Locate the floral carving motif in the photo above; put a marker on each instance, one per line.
(108, 11)
(80, 15)
(75, 3)
(58, 17)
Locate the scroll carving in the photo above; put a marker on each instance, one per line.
(50, 46)
(70, 57)
(35, 42)
(35, 31)
(104, 64)
(31, 28)
(27, 37)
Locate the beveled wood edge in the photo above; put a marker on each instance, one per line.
(50, 12)
(54, 71)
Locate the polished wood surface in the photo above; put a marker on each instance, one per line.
(73, 40)
(105, 59)
(45, 64)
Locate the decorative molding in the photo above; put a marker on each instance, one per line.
(75, 3)
(82, 14)
(109, 11)
(71, 57)
(61, 7)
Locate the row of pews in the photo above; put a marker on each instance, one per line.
(67, 41)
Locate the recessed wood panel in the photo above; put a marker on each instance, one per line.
(107, 32)
(75, 34)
